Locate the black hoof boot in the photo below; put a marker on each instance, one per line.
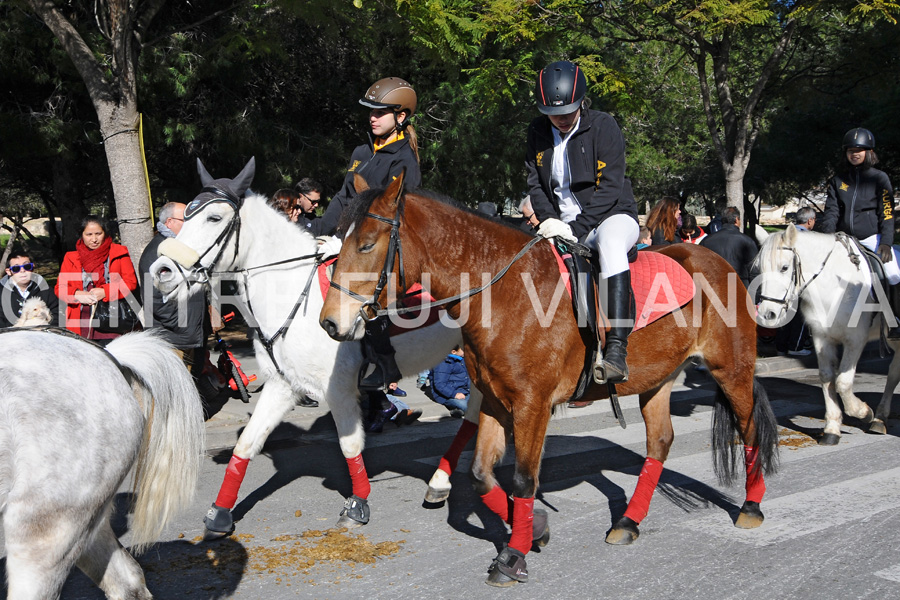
(354, 514)
(829, 439)
(540, 528)
(507, 569)
(751, 516)
(624, 532)
(218, 523)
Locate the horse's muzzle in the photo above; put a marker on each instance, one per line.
(165, 277)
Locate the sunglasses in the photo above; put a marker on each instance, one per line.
(17, 268)
(310, 200)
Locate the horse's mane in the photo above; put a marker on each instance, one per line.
(356, 211)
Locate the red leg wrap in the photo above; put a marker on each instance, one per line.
(497, 501)
(646, 485)
(523, 515)
(234, 476)
(451, 457)
(359, 477)
(756, 485)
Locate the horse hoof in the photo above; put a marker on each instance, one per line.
(624, 532)
(540, 528)
(354, 514)
(870, 415)
(218, 523)
(877, 427)
(439, 487)
(751, 516)
(829, 439)
(435, 496)
(507, 569)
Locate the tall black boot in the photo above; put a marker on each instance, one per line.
(611, 367)
(378, 350)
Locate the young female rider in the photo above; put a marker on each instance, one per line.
(576, 180)
(861, 203)
(392, 147)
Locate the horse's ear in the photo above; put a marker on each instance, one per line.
(790, 235)
(241, 183)
(395, 190)
(205, 177)
(359, 183)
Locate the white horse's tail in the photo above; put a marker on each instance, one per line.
(168, 465)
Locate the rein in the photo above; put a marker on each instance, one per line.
(395, 251)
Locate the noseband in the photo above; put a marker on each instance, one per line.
(797, 274)
(395, 253)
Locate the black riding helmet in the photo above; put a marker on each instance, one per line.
(560, 88)
(859, 138)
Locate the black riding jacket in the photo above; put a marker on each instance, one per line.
(860, 203)
(378, 168)
(596, 158)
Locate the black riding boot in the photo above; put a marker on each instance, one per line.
(611, 367)
(378, 350)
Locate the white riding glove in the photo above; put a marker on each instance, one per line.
(551, 228)
(329, 245)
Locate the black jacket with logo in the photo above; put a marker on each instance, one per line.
(596, 158)
(378, 168)
(860, 203)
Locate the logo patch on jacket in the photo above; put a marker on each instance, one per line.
(844, 187)
(353, 166)
(600, 166)
(539, 159)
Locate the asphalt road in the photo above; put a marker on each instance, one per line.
(832, 526)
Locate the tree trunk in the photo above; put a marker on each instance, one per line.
(9, 244)
(119, 125)
(734, 185)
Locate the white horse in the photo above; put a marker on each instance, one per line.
(74, 420)
(275, 263)
(831, 278)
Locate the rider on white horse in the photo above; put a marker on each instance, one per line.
(861, 203)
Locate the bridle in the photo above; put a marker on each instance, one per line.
(233, 229)
(394, 256)
(797, 278)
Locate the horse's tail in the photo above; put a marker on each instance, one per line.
(726, 447)
(168, 465)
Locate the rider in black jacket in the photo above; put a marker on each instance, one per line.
(382, 159)
(861, 203)
(576, 179)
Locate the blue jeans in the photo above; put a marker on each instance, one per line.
(452, 403)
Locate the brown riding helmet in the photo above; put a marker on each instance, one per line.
(391, 92)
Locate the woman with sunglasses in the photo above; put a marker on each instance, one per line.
(18, 285)
(96, 270)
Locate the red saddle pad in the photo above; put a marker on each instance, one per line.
(660, 285)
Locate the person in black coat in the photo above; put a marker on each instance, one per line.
(731, 244)
(575, 162)
(21, 283)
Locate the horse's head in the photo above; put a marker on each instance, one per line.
(366, 263)
(210, 234)
(779, 267)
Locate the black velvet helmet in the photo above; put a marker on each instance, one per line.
(560, 88)
(859, 138)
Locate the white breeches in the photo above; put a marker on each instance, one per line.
(891, 269)
(612, 240)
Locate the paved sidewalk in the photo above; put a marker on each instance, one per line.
(225, 425)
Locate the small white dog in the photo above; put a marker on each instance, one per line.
(34, 313)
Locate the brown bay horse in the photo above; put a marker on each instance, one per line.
(526, 358)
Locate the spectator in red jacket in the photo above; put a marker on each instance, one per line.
(97, 270)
